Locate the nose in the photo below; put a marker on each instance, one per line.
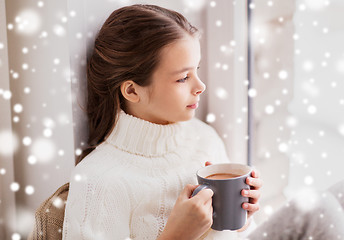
(200, 87)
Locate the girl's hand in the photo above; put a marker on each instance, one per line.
(190, 217)
(254, 193)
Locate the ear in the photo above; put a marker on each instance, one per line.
(129, 90)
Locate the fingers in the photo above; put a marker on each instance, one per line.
(254, 195)
(256, 183)
(208, 203)
(188, 190)
(251, 193)
(250, 207)
(255, 173)
(204, 195)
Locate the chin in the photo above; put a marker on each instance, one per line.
(187, 117)
(182, 117)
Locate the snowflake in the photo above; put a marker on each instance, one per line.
(308, 180)
(221, 93)
(29, 190)
(28, 22)
(25, 50)
(283, 74)
(15, 186)
(49, 150)
(78, 151)
(8, 143)
(27, 141)
(291, 121)
(218, 23)
(47, 132)
(268, 210)
(57, 202)
(40, 4)
(283, 147)
(32, 160)
(25, 66)
(7, 94)
(252, 92)
(72, 13)
(210, 118)
(312, 109)
(59, 30)
(212, 4)
(269, 109)
(16, 236)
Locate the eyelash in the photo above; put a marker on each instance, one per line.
(184, 79)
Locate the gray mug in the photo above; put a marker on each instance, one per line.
(227, 201)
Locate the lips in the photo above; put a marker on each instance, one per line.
(193, 106)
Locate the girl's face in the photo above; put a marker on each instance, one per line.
(174, 92)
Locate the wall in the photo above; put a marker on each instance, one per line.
(41, 112)
(7, 198)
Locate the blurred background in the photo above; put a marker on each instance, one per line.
(276, 66)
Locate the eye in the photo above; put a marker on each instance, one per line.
(183, 79)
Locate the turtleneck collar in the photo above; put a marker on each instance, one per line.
(137, 136)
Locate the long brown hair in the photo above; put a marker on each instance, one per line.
(127, 47)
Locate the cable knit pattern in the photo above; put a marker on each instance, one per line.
(127, 187)
(145, 138)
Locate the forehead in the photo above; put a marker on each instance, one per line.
(182, 53)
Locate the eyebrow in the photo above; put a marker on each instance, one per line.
(184, 69)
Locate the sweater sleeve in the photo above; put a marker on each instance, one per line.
(96, 210)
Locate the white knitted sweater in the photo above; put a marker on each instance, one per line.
(127, 187)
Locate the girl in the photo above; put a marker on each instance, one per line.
(145, 146)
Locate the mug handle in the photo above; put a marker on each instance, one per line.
(198, 189)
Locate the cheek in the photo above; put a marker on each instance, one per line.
(168, 96)
(164, 94)
(164, 99)
(174, 96)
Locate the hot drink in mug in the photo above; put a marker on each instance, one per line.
(226, 180)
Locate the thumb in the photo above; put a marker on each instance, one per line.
(204, 195)
(187, 191)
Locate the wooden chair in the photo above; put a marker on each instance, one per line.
(50, 215)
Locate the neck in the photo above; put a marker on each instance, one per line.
(139, 112)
